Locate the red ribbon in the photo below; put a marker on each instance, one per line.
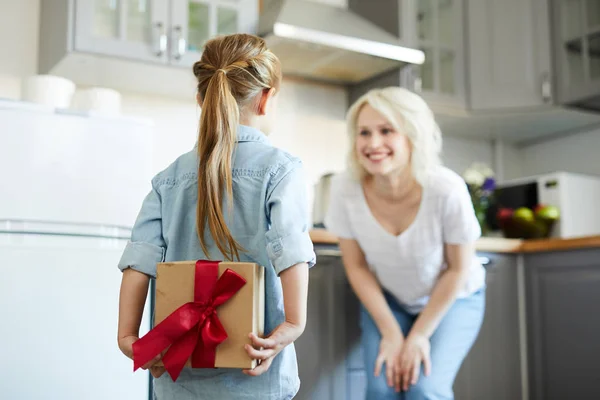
(194, 328)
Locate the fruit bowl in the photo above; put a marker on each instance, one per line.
(524, 223)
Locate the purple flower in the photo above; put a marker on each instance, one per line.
(489, 184)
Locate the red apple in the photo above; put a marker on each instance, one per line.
(504, 215)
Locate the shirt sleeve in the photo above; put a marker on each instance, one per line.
(336, 217)
(288, 239)
(460, 223)
(147, 246)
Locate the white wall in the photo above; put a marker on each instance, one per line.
(576, 153)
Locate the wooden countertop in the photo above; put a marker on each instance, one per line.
(498, 245)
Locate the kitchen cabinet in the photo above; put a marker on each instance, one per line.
(437, 28)
(497, 69)
(534, 53)
(193, 22)
(577, 51)
(107, 42)
(440, 34)
(563, 328)
(492, 369)
(134, 29)
(509, 54)
(322, 349)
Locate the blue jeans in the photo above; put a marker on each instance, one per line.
(450, 344)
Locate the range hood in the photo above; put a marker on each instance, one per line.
(331, 44)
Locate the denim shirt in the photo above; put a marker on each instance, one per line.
(270, 221)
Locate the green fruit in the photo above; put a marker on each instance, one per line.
(523, 214)
(548, 213)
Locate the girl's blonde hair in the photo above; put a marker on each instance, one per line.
(407, 113)
(232, 73)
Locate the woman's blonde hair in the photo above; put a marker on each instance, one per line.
(407, 113)
(232, 73)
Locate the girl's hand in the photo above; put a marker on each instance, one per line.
(265, 350)
(389, 354)
(126, 346)
(416, 350)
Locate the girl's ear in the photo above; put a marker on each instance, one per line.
(265, 99)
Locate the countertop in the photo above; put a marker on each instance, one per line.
(498, 244)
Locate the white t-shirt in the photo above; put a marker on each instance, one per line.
(409, 265)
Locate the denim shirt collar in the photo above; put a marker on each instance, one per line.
(247, 134)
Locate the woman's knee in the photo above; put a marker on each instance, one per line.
(430, 388)
(378, 389)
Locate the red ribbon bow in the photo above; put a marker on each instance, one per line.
(194, 328)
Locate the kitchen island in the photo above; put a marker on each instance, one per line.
(539, 338)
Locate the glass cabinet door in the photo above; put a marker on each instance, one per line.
(196, 21)
(439, 34)
(133, 29)
(578, 52)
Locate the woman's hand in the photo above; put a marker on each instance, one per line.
(390, 349)
(265, 350)
(416, 350)
(126, 346)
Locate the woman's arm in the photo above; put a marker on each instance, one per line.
(370, 294)
(417, 348)
(367, 288)
(458, 258)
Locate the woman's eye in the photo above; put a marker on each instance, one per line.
(385, 131)
(363, 133)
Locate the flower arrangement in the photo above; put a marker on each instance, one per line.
(481, 183)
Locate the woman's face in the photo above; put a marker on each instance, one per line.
(381, 150)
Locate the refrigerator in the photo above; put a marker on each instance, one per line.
(72, 185)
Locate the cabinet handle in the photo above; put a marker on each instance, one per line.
(546, 88)
(417, 81)
(179, 43)
(485, 261)
(160, 41)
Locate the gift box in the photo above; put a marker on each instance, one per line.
(204, 311)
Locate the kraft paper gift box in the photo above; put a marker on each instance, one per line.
(190, 284)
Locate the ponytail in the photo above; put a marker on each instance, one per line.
(216, 141)
(232, 73)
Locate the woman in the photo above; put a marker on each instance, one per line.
(234, 197)
(407, 229)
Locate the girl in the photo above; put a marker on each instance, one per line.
(235, 197)
(407, 227)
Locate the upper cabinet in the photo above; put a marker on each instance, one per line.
(577, 51)
(510, 69)
(132, 29)
(439, 27)
(196, 21)
(107, 42)
(509, 59)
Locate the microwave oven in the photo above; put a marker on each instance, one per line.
(577, 197)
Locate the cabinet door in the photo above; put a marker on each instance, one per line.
(321, 349)
(509, 54)
(492, 370)
(562, 299)
(577, 48)
(196, 21)
(439, 32)
(132, 29)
